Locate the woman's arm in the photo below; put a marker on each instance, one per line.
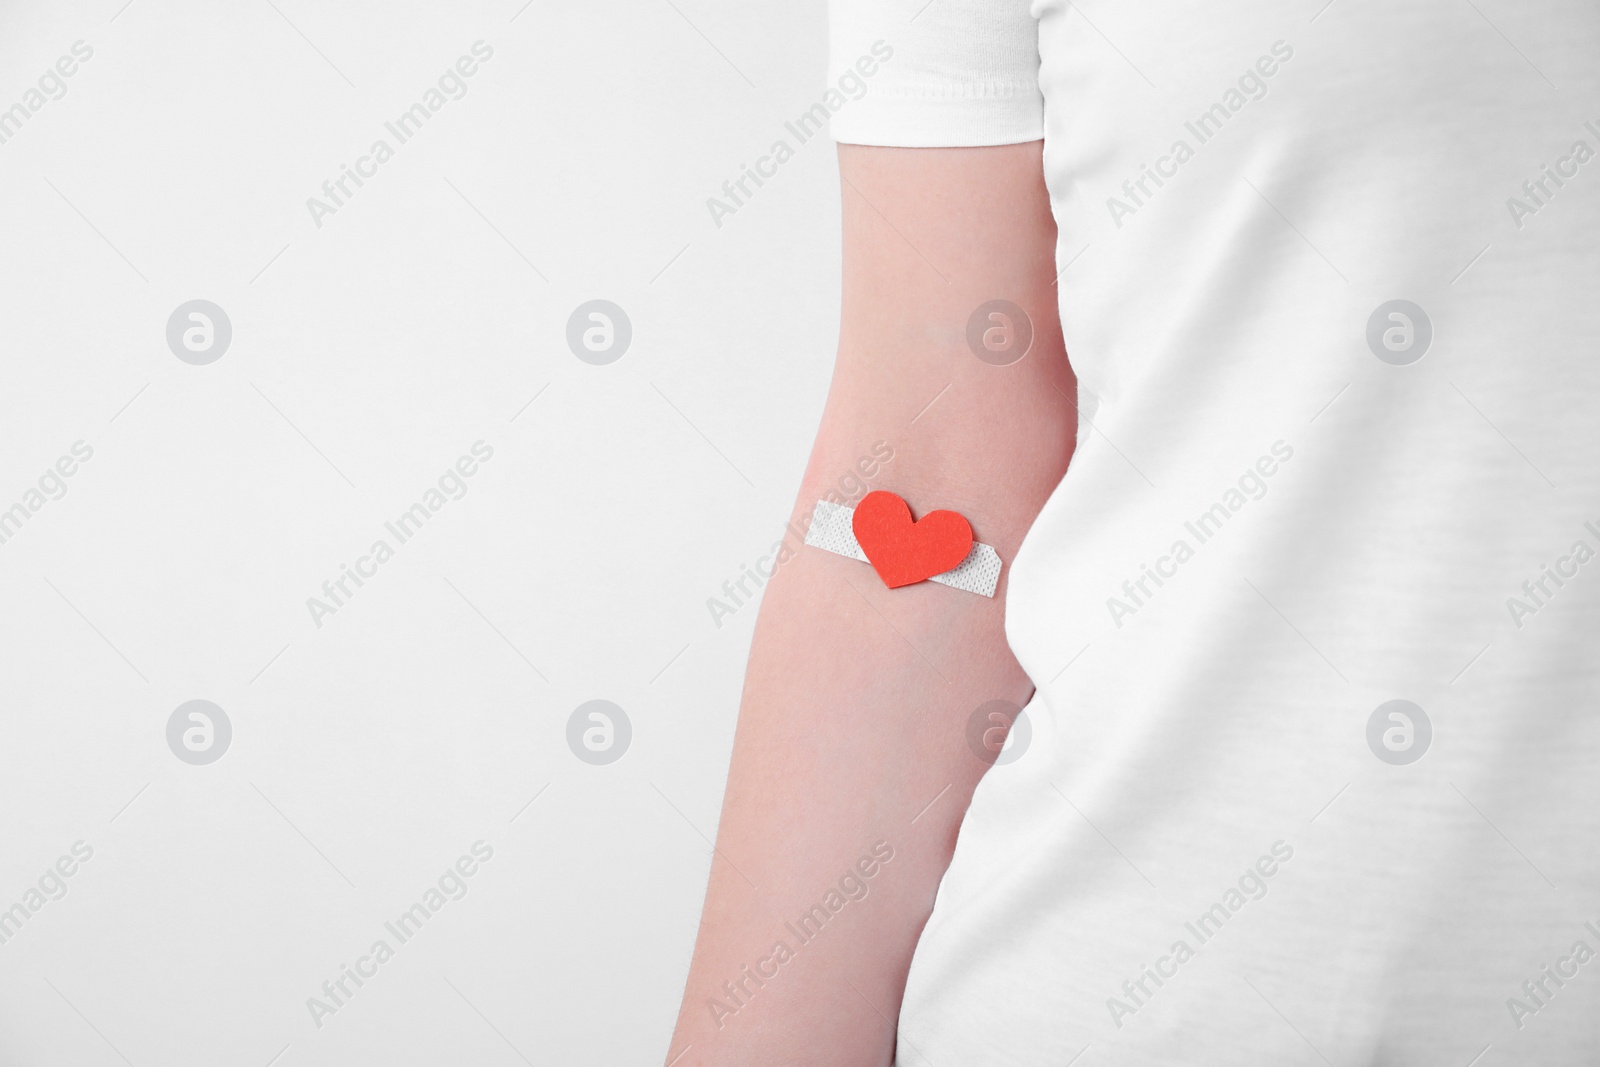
(856, 701)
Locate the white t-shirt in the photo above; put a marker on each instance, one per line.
(1331, 287)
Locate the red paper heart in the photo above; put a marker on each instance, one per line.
(904, 551)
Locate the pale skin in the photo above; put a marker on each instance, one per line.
(853, 724)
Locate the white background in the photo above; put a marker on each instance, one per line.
(367, 355)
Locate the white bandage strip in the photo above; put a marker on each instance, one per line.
(831, 529)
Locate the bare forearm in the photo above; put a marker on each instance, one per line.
(846, 735)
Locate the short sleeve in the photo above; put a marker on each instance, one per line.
(934, 73)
